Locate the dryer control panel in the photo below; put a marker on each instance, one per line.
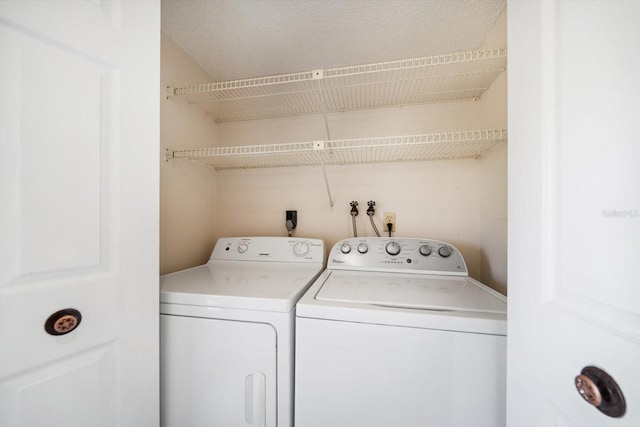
(271, 249)
(404, 255)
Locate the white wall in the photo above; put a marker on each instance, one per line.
(187, 191)
(459, 201)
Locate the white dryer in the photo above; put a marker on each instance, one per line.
(227, 333)
(395, 333)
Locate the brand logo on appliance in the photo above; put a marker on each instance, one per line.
(264, 254)
(337, 261)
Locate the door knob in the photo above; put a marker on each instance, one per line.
(600, 390)
(63, 321)
(588, 390)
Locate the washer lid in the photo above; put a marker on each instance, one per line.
(424, 292)
(261, 286)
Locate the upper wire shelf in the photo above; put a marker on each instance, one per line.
(434, 146)
(438, 78)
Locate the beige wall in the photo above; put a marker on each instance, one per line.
(459, 201)
(447, 200)
(187, 190)
(493, 257)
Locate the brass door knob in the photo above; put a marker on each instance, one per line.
(588, 390)
(600, 390)
(63, 321)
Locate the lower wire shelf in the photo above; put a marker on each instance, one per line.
(433, 146)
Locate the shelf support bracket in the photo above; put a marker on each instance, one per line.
(318, 75)
(319, 147)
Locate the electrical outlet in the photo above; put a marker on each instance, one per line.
(389, 217)
(291, 220)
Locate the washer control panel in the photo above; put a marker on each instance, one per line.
(273, 249)
(408, 255)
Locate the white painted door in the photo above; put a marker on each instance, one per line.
(574, 208)
(79, 94)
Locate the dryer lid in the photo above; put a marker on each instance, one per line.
(261, 286)
(422, 292)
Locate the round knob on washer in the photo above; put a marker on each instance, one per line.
(393, 248)
(425, 250)
(363, 248)
(445, 251)
(301, 248)
(242, 248)
(345, 248)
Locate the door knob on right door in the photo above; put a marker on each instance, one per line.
(600, 390)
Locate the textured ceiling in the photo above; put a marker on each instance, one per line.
(235, 39)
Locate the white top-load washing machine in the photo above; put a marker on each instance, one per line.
(227, 333)
(395, 333)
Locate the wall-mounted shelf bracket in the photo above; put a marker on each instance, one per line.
(319, 146)
(169, 92)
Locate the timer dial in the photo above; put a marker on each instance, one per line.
(242, 248)
(393, 248)
(301, 248)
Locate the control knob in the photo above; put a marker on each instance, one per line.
(301, 248)
(425, 250)
(345, 248)
(445, 251)
(393, 248)
(363, 248)
(242, 248)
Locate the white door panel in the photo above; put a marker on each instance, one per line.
(593, 155)
(574, 200)
(87, 28)
(24, 312)
(78, 185)
(58, 169)
(56, 390)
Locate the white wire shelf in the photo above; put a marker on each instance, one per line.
(434, 146)
(448, 77)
